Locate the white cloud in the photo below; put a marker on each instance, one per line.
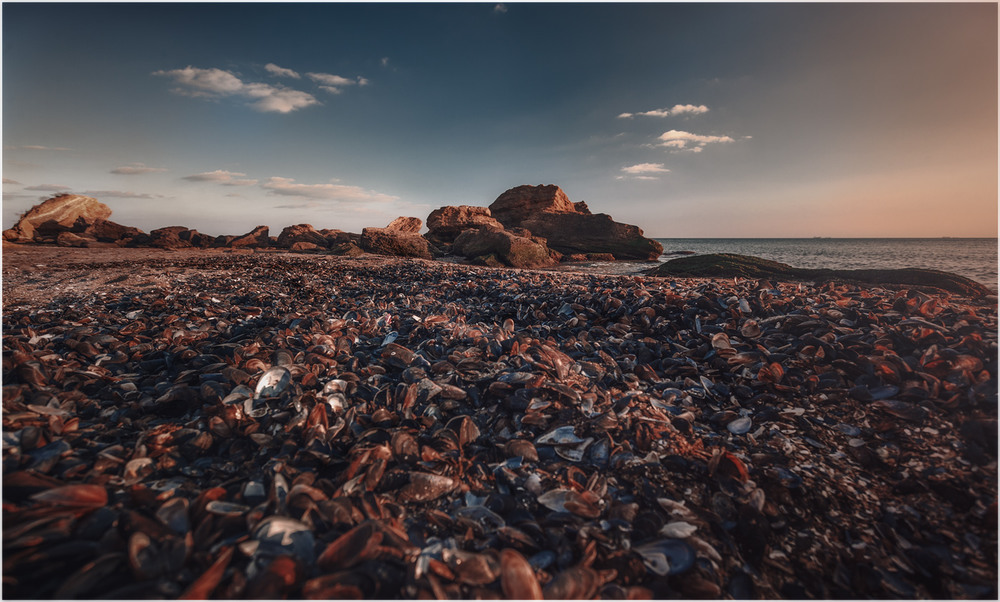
(334, 192)
(675, 110)
(500, 8)
(679, 139)
(644, 168)
(135, 169)
(384, 61)
(328, 79)
(48, 187)
(281, 71)
(9, 181)
(331, 89)
(218, 83)
(240, 183)
(121, 194)
(219, 175)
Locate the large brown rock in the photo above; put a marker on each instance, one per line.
(55, 215)
(169, 238)
(446, 223)
(489, 244)
(108, 231)
(301, 233)
(257, 238)
(383, 241)
(569, 227)
(408, 225)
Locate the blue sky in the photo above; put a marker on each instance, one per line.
(688, 120)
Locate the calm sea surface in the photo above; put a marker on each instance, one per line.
(974, 258)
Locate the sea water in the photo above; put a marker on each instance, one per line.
(974, 258)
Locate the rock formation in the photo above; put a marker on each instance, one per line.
(301, 233)
(398, 239)
(729, 265)
(408, 225)
(569, 227)
(257, 238)
(169, 238)
(490, 245)
(58, 214)
(446, 223)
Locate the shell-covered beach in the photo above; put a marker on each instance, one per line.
(265, 424)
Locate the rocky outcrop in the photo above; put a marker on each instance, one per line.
(446, 223)
(569, 227)
(408, 225)
(400, 239)
(58, 214)
(105, 230)
(300, 233)
(255, 239)
(305, 247)
(490, 245)
(169, 238)
(730, 265)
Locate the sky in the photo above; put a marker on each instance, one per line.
(688, 120)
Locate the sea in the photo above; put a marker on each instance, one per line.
(974, 258)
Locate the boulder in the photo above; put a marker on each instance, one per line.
(446, 223)
(339, 237)
(257, 238)
(730, 265)
(383, 241)
(223, 240)
(347, 249)
(305, 247)
(408, 225)
(70, 239)
(58, 214)
(492, 243)
(169, 238)
(303, 233)
(569, 227)
(108, 231)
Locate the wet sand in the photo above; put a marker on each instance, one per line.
(216, 424)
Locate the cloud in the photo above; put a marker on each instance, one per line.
(121, 194)
(332, 192)
(36, 147)
(135, 169)
(675, 110)
(332, 83)
(218, 83)
(219, 175)
(681, 140)
(500, 8)
(384, 61)
(281, 71)
(643, 168)
(48, 187)
(9, 181)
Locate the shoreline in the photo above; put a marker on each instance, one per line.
(785, 441)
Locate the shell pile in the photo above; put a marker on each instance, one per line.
(287, 427)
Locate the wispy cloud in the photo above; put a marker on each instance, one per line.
(688, 141)
(36, 147)
(48, 187)
(500, 8)
(218, 83)
(281, 71)
(332, 191)
(136, 169)
(384, 61)
(333, 83)
(121, 194)
(675, 110)
(9, 181)
(644, 168)
(219, 175)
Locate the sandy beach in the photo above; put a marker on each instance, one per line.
(239, 424)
